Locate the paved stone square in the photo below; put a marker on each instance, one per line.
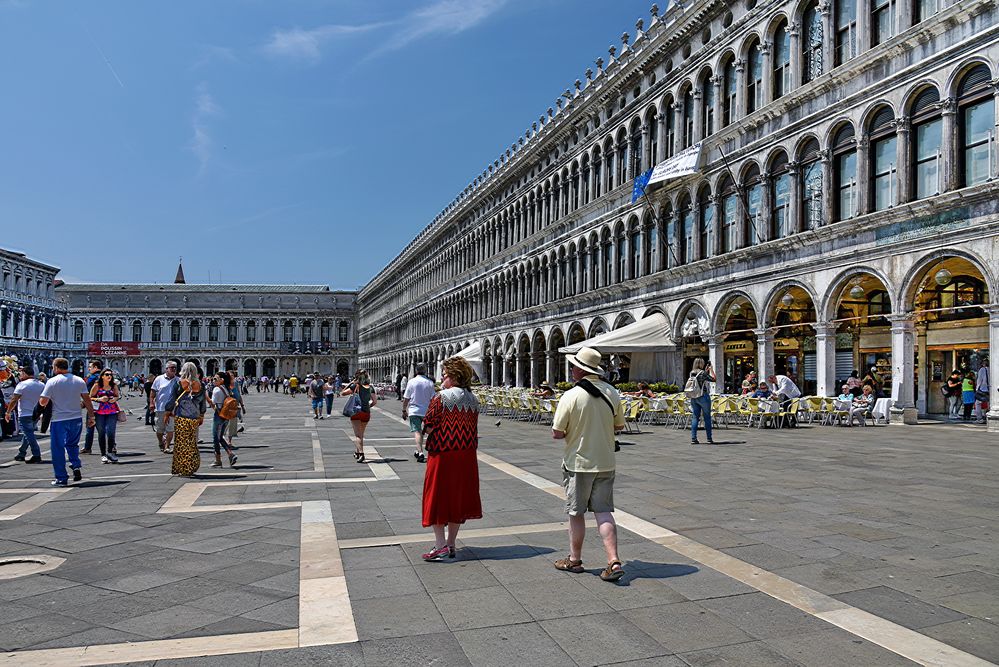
(815, 546)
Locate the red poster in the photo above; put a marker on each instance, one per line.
(111, 349)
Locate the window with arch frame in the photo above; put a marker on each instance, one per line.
(883, 160)
(780, 199)
(706, 223)
(810, 173)
(844, 157)
(927, 144)
(781, 61)
(976, 127)
(136, 331)
(754, 78)
(811, 43)
(98, 331)
(156, 331)
(77, 331)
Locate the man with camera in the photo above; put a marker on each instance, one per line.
(586, 419)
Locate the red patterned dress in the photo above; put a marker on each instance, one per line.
(451, 486)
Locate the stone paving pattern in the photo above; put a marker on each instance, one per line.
(898, 521)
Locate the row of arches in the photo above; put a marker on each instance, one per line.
(211, 330)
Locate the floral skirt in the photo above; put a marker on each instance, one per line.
(186, 459)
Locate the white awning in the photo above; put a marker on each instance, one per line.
(651, 334)
(684, 163)
(471, 353)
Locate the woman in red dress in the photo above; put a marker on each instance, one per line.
(451, 485)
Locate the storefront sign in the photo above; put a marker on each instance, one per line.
(740, 346)
(113, 349)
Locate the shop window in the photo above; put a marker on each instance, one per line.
(960, 293)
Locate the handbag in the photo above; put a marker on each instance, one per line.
(353, 405)
(122, 417)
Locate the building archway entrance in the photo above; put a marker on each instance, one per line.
(343, 368)
(793, 321)
(269, 368)
(211, 367)
(739, 349)
(250, 368)
(155, 367)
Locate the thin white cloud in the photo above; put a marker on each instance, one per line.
(443, 17)
(202, 143)
(301, 44)
(211, 54)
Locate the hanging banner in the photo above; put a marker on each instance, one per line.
(684, 163)
(113, 349)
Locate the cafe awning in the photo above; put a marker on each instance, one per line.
(650, 334)
(473, 355)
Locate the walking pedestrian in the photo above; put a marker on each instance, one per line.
(25, 400)
(416, 399)
(187, 407)
(105, 395)
(316, 394)
(968, 394)
(329, 393)
(982, 391)
(586, 419)
(359, 421)
(451, 483)
(66, 391)
(95, 368)
(700, 401)
(233, 428)
(159, 393)
(147, 388)
(953, 393)
(220, 393)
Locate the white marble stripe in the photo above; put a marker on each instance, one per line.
(325, 615)
(466, 535)
(39, 498)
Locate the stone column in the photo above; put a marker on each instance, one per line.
(764, 224)
(716, 81)
(993, 415)
(828, 196)
(903, 353)
(794, 34)
(825, 359)
(677, 126)
(716, 357)
(699, 128)
(551, 367)
(646, 149)
(796, 210)
(507, 380)
(740, 92)
(863, 26)
(661, 147)
(949, 153)
(924, 368)
(764, 353)
(903, 151)
(862, 193)
(523, 369)
(828, 36)
(768, 72)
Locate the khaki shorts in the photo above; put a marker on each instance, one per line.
(588, 491)
(161, 423)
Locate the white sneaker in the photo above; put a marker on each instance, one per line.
(104, 459)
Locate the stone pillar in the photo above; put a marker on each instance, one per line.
(993, 415)
(677, 126)
(507, 380)
(768, 72)
(924, 368)
(740, 92)
(646, 149)
(828, 37)
(903, 354)
(699, 128)
(796, 210)
(904, 17)
(862, 193)
(523, 370)
(764, 224)
(825, 359)
(764, 353)
(716, 357)
(551, 367)
(716, 81)
(863, 26)
(794, 34)
(661, 146)
(949, 153)
(828, 196)
(903, 151)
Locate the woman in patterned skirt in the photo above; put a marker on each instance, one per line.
(451, 485)
(188, 406)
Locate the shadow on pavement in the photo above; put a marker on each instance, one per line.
(512, 552)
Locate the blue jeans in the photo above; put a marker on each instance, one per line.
(88, 444)
(107, 425)
(699, 406)
(65, 441)
(329, 404)
(219, 426)
(28, 437)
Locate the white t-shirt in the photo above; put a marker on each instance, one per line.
(419, 391)
(30, 391)
(65, 390)
(163, 388)
(786, 386)
(218, 397)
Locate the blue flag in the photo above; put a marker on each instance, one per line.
(638, 189)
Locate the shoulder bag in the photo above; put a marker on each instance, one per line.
(590, 389)
(353, 405)
(230, 407)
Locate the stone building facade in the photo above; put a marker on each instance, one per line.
(32, 317)
(843, 215)
(253, 329)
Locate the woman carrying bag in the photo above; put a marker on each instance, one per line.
(105, 396)
(225, 407)
(187, 406)
(359, 411)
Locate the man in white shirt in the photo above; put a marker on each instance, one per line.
(415, 401)
(66, 391)
(26, 395)
(159, 395)
(784, 390)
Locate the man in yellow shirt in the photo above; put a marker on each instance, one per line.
(586, 419)
(293, 383)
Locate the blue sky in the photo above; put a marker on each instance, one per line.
(298, 141)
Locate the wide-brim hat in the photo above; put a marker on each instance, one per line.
(587, 359)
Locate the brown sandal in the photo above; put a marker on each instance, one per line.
(568, 565)
(610, 574)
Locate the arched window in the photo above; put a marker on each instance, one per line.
(573, 272)
(844, 155)
(622, 253)
(707, 104)
(882, 160)
(307, 331)
(961, 291)
(811, 43)
(622, 158)
(636, 149)
(598, 172)
(924, 9)
(251, 332)
(117, 331)
(608, 265)
(213, 331)
(585, 179)
(343, 332)
(976, 120)
(706, 222)
(269, 331)
(730, 83)
(846, 30)
(575, 188)
(653, 151)
(636, 250)
(289, 331)
(685, 231)
(927, 146)
(231, 331)
(98, 331)
(156, 331)
(782, 61)
(670, 130)
(688, 118)
(77, 331)
(325, 331)
(780, 198)
(883, 20)
(652, 246)
(194, 331)
(810, 174)
(136, 331)
(753, 185)
(730, 215)
(175, 331)
(754, 78)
